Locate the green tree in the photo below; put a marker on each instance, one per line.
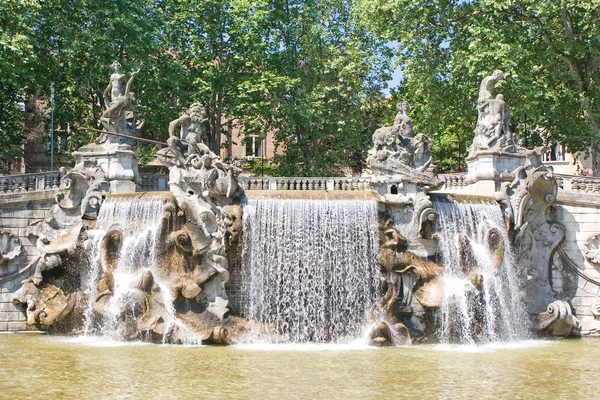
(549, 50)
(336, 103)
(76, 41)
(16, 57)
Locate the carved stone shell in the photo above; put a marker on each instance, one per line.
(10, 247)
(592, 248)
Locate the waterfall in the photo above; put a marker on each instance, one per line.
(482, 300)
(309, 271)
(140, 219)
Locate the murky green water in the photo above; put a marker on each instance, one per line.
(41, 366)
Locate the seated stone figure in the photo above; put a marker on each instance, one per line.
(398, 150)
(192, 130)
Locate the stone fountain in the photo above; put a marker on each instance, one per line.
(421, 264)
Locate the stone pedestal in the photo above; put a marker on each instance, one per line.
(117, 161)
(486, 170)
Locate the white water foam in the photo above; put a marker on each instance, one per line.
(309, 272)
(467, 315)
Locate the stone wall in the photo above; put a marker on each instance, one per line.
(17, 211)
(574, 275)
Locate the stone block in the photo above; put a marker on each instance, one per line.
(588, 217)
(6, 212)
(36, 214)
(8, 307)
(16, 326)
(3, 326)
(590, 227)
(9, 316)
(14, 231)
(25, 241)
(13, 223)
(6, 297)
(588, 301)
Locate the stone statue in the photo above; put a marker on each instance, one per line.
(403, 124)
(204, 188)
(113, 118)
(190, 139)
(493, 123)
(487, 86)
(120, 114)
(398, 152)
(83, 189)
(116, 86)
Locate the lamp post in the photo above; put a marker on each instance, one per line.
(52, 126)
(263, 146)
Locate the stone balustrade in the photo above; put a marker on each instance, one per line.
(305, 183)
(29, 182)
(453, 182)
(152, 182)
(578, 184)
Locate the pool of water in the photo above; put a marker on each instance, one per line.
(36, 366)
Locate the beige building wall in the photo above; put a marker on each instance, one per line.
(254, 146)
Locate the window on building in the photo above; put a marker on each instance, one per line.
(556, 152)
(254, 146)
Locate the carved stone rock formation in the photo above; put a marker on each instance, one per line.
(83, 189)
(557, 320)
(384, 335)
(205, 189)
(528, 204)
(47, 306)
(381, 335)
(427, 277)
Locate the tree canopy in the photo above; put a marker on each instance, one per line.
(310, 71)
(300, 68)
(549, 51)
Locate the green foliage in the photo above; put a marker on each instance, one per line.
(549, 51)
(145, 154)
(16, 58)
(300, 68)
(261, 167)
(330, 112)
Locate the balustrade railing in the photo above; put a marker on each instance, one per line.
(152, 182)
(29, 182)
(578, 184)
(304, 183)
(159, 182)
(455, 181)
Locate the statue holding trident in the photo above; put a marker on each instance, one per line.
(118, 103)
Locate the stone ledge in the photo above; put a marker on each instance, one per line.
(15, 200)
(578, 199)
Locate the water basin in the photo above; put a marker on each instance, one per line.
(37, 366)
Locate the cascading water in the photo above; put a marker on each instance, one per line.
(140, 220)
(309, 269)
(482, 300)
